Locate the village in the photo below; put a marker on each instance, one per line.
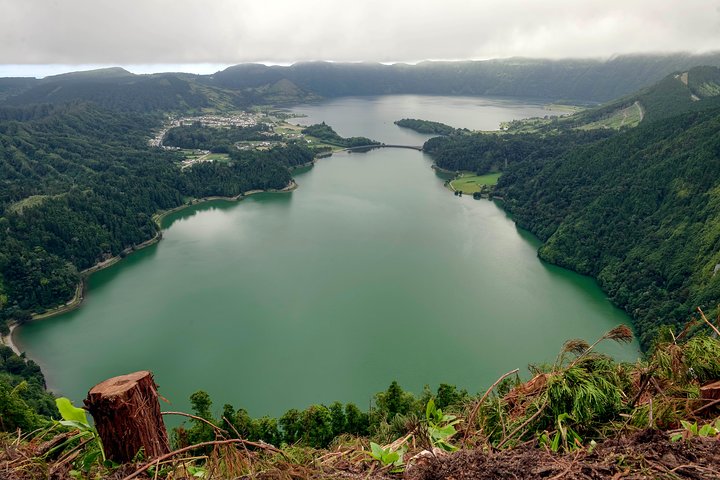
(275, 121)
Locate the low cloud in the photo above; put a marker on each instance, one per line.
(281, 31)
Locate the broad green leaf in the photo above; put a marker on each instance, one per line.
(70, 412)
(197, 472)
(391, 457)
(377, 450)
(555, 446)
(676, 437)
(707, 430)
(444, 432)
(83, 427)
(690, 427)
(430, 409)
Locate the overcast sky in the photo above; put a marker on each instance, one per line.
(38, 37)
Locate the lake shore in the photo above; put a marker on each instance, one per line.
(81, 287)
(7, 340)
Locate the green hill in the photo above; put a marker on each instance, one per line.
(254, 84)
(695, 89)
(636, 208)
(79, 184)
(579, 79)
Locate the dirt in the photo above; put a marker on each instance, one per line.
(646, 455)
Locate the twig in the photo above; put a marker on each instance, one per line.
(643, 385)
(471, 418)
(250, 464)
(702, 315)
(714, 402)
(524, 424)
(200, 419)
(162, 458)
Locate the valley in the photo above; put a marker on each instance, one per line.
(334, 259)
(247, 237)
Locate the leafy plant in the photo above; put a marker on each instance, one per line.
(388, 457)
(75, 417)
(694, 430)
(564, 436)
(440, 426)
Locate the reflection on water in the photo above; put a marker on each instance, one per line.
(371, 271)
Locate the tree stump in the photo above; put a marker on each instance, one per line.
(710, 391)
(127, 416)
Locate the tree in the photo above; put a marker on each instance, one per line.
(357, 422)
(291, 426)
(338, 420)
(201, 431)
(394, 401)
(317, 426)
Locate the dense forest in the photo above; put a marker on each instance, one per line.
(483, 153)
(327, 135)
(638, 211)
(590, 80)
(253, 84)
(80, 185)
(24, 403)
(635, 208)
(217, 140)
(425, 126)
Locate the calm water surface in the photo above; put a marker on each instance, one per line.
(371, 271)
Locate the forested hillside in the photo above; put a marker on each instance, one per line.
(636, 208)
(690, 90)
(79, 184)
(254, 84)
(639, 211)
(594, 80)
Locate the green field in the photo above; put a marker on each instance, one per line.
(627, 117)
(31, 201)
(217, 157)
(470, 183)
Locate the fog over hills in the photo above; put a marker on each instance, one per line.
(588, 80)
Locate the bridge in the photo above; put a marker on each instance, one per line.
(382, 145)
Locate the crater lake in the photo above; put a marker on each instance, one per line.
(370, 271)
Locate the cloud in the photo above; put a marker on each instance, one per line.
(281, 31)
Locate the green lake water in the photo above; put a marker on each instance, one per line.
(371, 271)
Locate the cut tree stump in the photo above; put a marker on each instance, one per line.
(127, 416)
(710, 391)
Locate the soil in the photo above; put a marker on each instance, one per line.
(645, 455)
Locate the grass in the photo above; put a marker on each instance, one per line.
(469, 183)
(217, 157)
(28, 202)
(626, 117)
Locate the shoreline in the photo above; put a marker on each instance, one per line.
(77, 300)
(7, 340)
(443, 170)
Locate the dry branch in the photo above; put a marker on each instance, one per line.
(471, 418)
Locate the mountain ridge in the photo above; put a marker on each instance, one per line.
(252, 83)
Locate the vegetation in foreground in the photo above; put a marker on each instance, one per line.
(583, 413)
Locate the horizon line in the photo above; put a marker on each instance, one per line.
(40, 71)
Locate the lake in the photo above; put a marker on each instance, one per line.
(371, 271)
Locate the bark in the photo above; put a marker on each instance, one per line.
(127, 416)
(710, 391)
